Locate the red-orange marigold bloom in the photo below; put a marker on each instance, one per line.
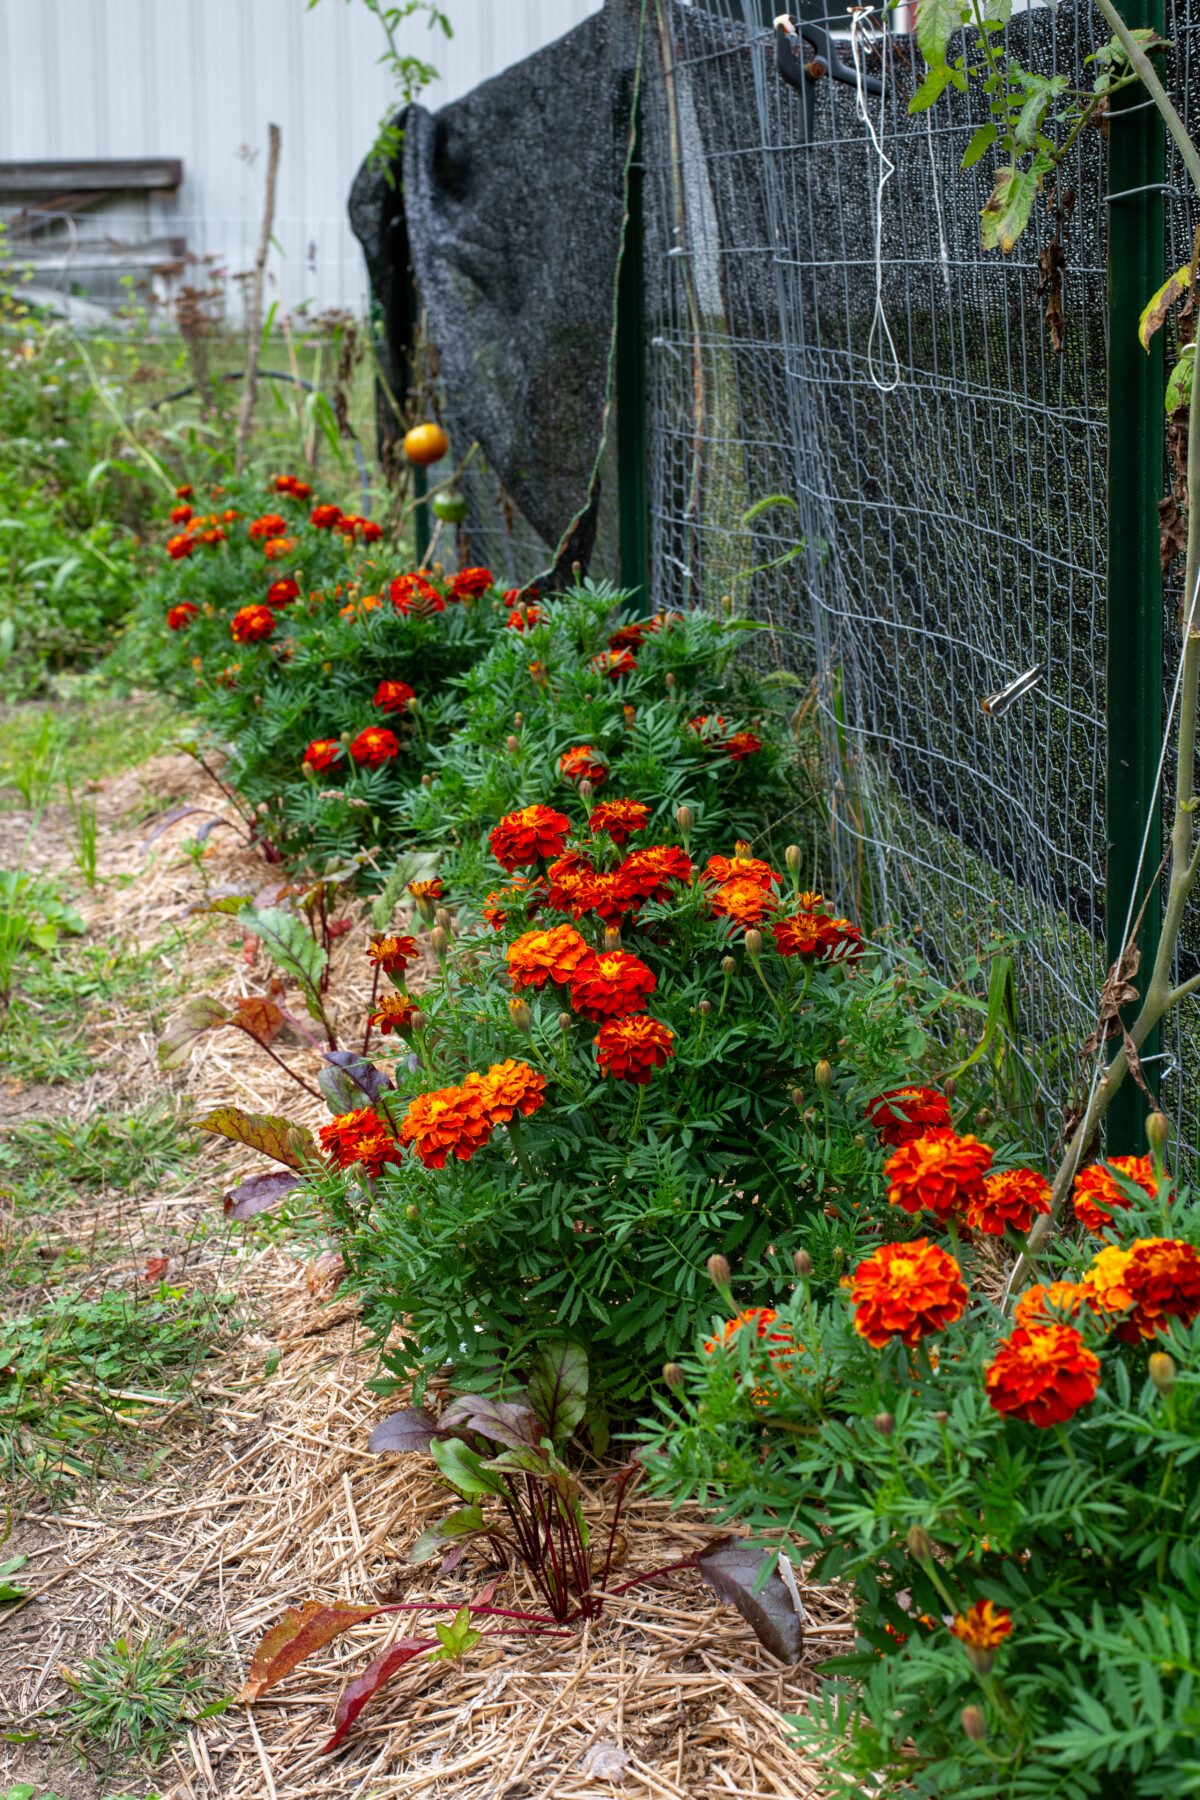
(181, 514)
(940, 1173)
(250, 624)
(542, 956)
(325, 517)
(644, 874)
(395, 1013)
(283, 590)
(511, 1087)
(628, 637)
(469, 584)
(291, 484)
(393, 696)
(901, 1114)
(427, 890)
(710, 727)
(801, 935)
(181, 546)
(1032, 1309)
(570, 877)
(1042, 1374)
(613, 664)
(517, 892)
(359, 1137)
(374, 746)
(525, 596)
(906, 1291)
(276, 548)
(415, 594)
(524, 618)
(269, 526)
(1163, 1280)
(620, 818)
(583, 764)
(631, 1049)
(611, 985)
(182, 615)
(607, 895)
(322, 753)
(840, 940)
(720, 869)
(185, 492)
(984, 1626)
(1097, 1196)
(1104, 1287)
(1014, 1197)
(741, 745)
(450, 1119)
(781, 1346)
(743, 900)
(521, 837)
(216, 536)
(392, 954)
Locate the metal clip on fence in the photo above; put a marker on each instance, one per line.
(803, 75)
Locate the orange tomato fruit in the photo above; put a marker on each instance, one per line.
(426, 444)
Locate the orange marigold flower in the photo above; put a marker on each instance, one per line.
(283, 590)
(358, 609)
(182, 615)
(276, 548)
(542, 956)
(181, 514)
(528, 895)
(720, 869)
(1042, 1374)
(1097, 1195)
(781, 1346)
(181, 546)
(906, 1291)
(521, 596)
(511, 1087)
(1158, 1277)
(522, 837)
(392, 954)
(583, 764)
(613, 664)
(290, 484)
(325, 517)
(395, 1013)
(569, 878)
(628, 637)
(711, 728)
(611, 985)
(269, 526)
(450, 1119)
(631, 1049)
(375, 746)
(393, 696)
(469, 584)
(415, 594)
(216, 536)
(524, 618)
(252, 623)
(984, 1626)
(741, 745)
(1014, 1197)
(743, 900)
(322, 753)
(620, 818)
(840, 940)
(801, 935)
(901, 1114)
(427, 890)
(941, 1173)
(609, 896)
(644, 874)
(185, 492)
(1033, 1308)
(1104, 1287)
(359, 1137)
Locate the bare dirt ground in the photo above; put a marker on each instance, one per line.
(265, 1496)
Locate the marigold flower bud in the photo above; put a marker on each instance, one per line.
(983, 1118)
(824, 1075)
(673, 1375)
(512, 743)
(327, 668)
(728, 966)
(586, 790)
(802, 1263)
(670, 682)
(577, 570)
(439, 942)
(442, 917)
(418, 1020)
(719, 1270)
(885, 1424)
(308, 772)
(793, 856)
(413, 705)
(1157, 1131)
(427, 781)
(521, 1016)
(588, 698)
(704, 1008)
(612, 937)
(726, 605)
(943, 1418)
(346, 737)
(754, 944)
(1162, 1371)
(973, 1723)
(950, 1088)
(797, 1096)
(412, 1212)
(564, 1021)
(920, 1544)
(518, 721)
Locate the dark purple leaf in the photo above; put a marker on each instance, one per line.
(206, 831)
(503, 1421)
(732, 1568)
(369, 1683)
(410, 1430)
(363, 1074)
(172, 818)
(257, 1193)
(341, 1094)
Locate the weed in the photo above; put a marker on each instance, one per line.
(96, 731)
(33, 767)
(83, 852)
(31, 918)
(132, 1697)
(60, 999)
(126, 1151)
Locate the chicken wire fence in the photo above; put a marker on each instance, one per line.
(858, 427)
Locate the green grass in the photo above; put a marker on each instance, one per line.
(97, 733)
(44, 1164)
(134, 1698)
(60, 996)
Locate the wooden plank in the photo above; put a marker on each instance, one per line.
(62, 177)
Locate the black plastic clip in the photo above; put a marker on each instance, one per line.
(803, 71)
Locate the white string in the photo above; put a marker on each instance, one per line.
(887, 168)
(943, 247)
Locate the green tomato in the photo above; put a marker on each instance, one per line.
(450, 507)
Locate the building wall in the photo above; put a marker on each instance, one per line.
(200, 79)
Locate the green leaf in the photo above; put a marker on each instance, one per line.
(1179, 386)
(931, 89)
(937, 21)
(292, 1145)
(760, 506)
(198, 1016)
(1040, 92)
(1155, 311)
(463, 1468)
(1006, 213)
(558, 1385)
(468, 1522)
(457, 1637)
(984, 137)
(291, 946)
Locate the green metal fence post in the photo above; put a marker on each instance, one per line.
(1136, 167)
(631, 396)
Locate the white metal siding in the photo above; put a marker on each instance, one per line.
(200, 79)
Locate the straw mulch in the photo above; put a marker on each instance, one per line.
(268, 1497)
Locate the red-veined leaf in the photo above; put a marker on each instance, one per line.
(260, 1017)
(296, 1636)
(369, 1683)
(198, 1016)
(292, 1145)
(257, 1193)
